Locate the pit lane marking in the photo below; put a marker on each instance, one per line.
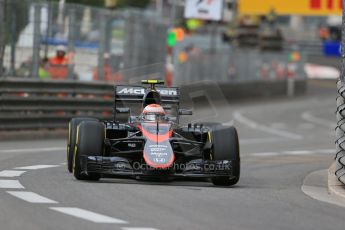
(11, 184)
(11, 173)
(88, 215)
(31, 197)
(254, 125)
(34, 167)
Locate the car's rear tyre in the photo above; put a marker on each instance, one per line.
(72, 132)
(89, 142)
(225, 146)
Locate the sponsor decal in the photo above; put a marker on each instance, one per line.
(141, 91)
(159, 153)
(132, 145)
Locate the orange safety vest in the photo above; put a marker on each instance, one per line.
(58, 61)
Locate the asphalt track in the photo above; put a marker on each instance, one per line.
(282, 142)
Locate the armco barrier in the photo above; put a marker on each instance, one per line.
(35, 104)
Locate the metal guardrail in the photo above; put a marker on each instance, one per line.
(34, 104)
(307, 47)
(48, 104)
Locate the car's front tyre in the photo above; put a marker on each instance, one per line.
(225, 146)
(89, 142)
(72, 136)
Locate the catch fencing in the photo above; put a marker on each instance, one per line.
(123, 46)
(100, 43)
(200, 58)
(340, 114)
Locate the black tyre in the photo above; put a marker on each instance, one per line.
(90, 141)
(72, 132)
(225, 146)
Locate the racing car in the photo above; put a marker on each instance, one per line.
(152, 143)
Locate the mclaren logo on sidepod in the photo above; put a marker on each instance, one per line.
(141, 91)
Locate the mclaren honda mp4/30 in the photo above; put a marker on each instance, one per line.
(152, 143)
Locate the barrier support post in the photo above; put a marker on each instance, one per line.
(36, 41)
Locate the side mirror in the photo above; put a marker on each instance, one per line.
(123, 110)
(185, 112)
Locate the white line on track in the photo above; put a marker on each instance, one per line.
(139, 228)
(88, 215)
(264, 154)
(326, 151)
(260, 140)
(11, 173)
(298, 152)
(252, 124)
(309, 117)
(295, 152)
(12, 184)
(32, 197)
(32, 150)
(229, 123)
(34, 167)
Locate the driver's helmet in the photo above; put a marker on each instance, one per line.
(153, 112)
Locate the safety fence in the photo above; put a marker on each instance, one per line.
(203, 58)
(340, 133)
(98, 43)
(340, 115)
(103, 44)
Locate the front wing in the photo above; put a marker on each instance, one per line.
(119, 166)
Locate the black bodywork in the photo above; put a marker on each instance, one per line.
(130, 148)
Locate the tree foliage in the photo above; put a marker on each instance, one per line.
(15, 10)
(132, 3)
(99, 3)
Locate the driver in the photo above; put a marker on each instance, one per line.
(153, 112)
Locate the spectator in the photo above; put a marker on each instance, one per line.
(324, 33)
(43, 69)
(58, 65)
(60, 58)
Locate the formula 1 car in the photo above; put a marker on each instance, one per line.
(152, 144)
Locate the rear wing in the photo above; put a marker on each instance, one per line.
(133, 95)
